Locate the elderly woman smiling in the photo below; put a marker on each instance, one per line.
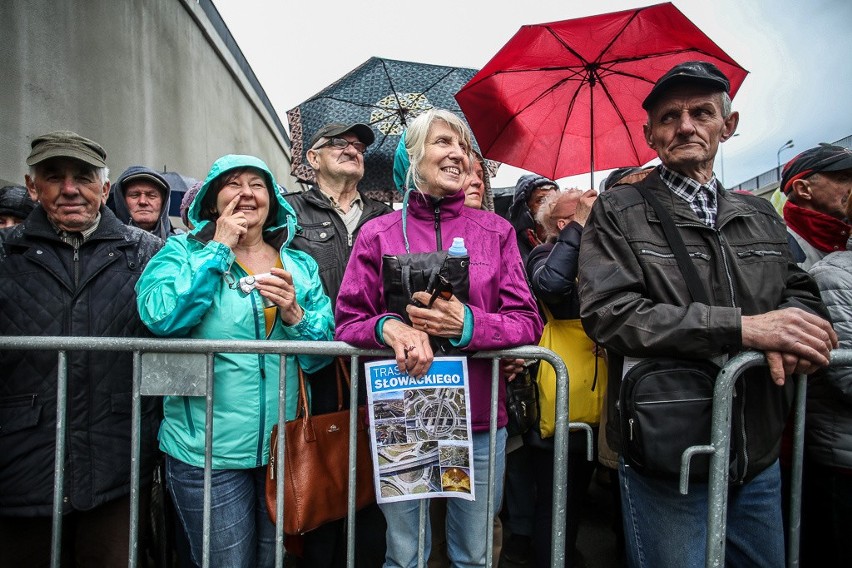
(499, 312)
(191, 289)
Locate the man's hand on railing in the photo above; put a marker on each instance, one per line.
(795, 341)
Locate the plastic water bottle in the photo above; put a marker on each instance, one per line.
(457, 248)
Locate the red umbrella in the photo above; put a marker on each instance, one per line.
(566, 97)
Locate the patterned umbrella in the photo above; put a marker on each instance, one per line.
(387, 95)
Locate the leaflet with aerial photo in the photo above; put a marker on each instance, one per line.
(420, 428)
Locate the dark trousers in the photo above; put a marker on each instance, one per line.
(96, 538)
(580, 472)
(325, 547)
(826, 516)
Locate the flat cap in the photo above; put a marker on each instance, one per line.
(66, 144)
(700, 72)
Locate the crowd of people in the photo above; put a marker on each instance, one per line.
(77, 259)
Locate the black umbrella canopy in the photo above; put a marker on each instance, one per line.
(179, 184)
(385, 94)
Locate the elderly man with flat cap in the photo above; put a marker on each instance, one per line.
(817, 183)
(330, 214)
(69, 270)
(634, 300)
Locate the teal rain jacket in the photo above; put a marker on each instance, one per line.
(189, 290)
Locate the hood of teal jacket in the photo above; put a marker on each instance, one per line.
(285, 217)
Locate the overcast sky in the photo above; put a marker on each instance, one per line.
(797, 51)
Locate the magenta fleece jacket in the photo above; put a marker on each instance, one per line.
(504, 310)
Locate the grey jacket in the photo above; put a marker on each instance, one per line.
(829, 416)
(634, 301)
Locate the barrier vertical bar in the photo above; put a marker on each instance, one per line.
(720, 435)
(353, 461)
(421, 534)
(135, 457)
(59, 458)
(560, 466)
(795, 520)
(208, 462)
(492, 465)
(278, 471)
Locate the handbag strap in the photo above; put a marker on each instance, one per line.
(342, 377)
(341, 372)
(684, 261)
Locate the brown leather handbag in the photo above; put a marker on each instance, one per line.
(316, 463)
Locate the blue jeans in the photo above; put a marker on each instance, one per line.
(467, 521)
(241, 533)
(663, 528)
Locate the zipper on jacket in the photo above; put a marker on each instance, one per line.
(761, 253)
(261, 385)
(744, 438)
(438, 241)
(741, 472)
(76, 265)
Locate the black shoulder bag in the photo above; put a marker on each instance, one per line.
(665, 404)
(433, 272)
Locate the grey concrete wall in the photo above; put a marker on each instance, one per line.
(151, 80)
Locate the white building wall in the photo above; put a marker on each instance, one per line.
(150, 80)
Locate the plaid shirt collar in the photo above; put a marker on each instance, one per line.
(700, 197)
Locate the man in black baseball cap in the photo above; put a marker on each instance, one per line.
(817, 183)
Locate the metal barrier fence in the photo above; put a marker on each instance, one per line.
(173, 367)
(719, 450)
(164, 367)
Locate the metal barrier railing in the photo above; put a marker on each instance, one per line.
(178, 375)
(172, 367)
(719, 450)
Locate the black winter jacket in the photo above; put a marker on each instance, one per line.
(323, 235)
(552, 270)
(48, 288)
(634, 301)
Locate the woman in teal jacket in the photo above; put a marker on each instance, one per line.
(192, 288)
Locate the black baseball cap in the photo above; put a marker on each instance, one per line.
(700, 72)
(363, 132)
(823, 158)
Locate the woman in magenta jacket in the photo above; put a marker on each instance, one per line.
(500, 313)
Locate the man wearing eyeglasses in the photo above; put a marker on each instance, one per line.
(330, 215)
(332, 211)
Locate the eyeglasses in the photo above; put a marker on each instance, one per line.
(342, 143)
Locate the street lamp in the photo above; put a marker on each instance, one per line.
(788, 144)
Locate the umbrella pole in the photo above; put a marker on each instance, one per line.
(592, 128)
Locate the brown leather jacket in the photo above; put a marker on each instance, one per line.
(634, 301)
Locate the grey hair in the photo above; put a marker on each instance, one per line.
(544, 216)
(101, 173)
(415, 142)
